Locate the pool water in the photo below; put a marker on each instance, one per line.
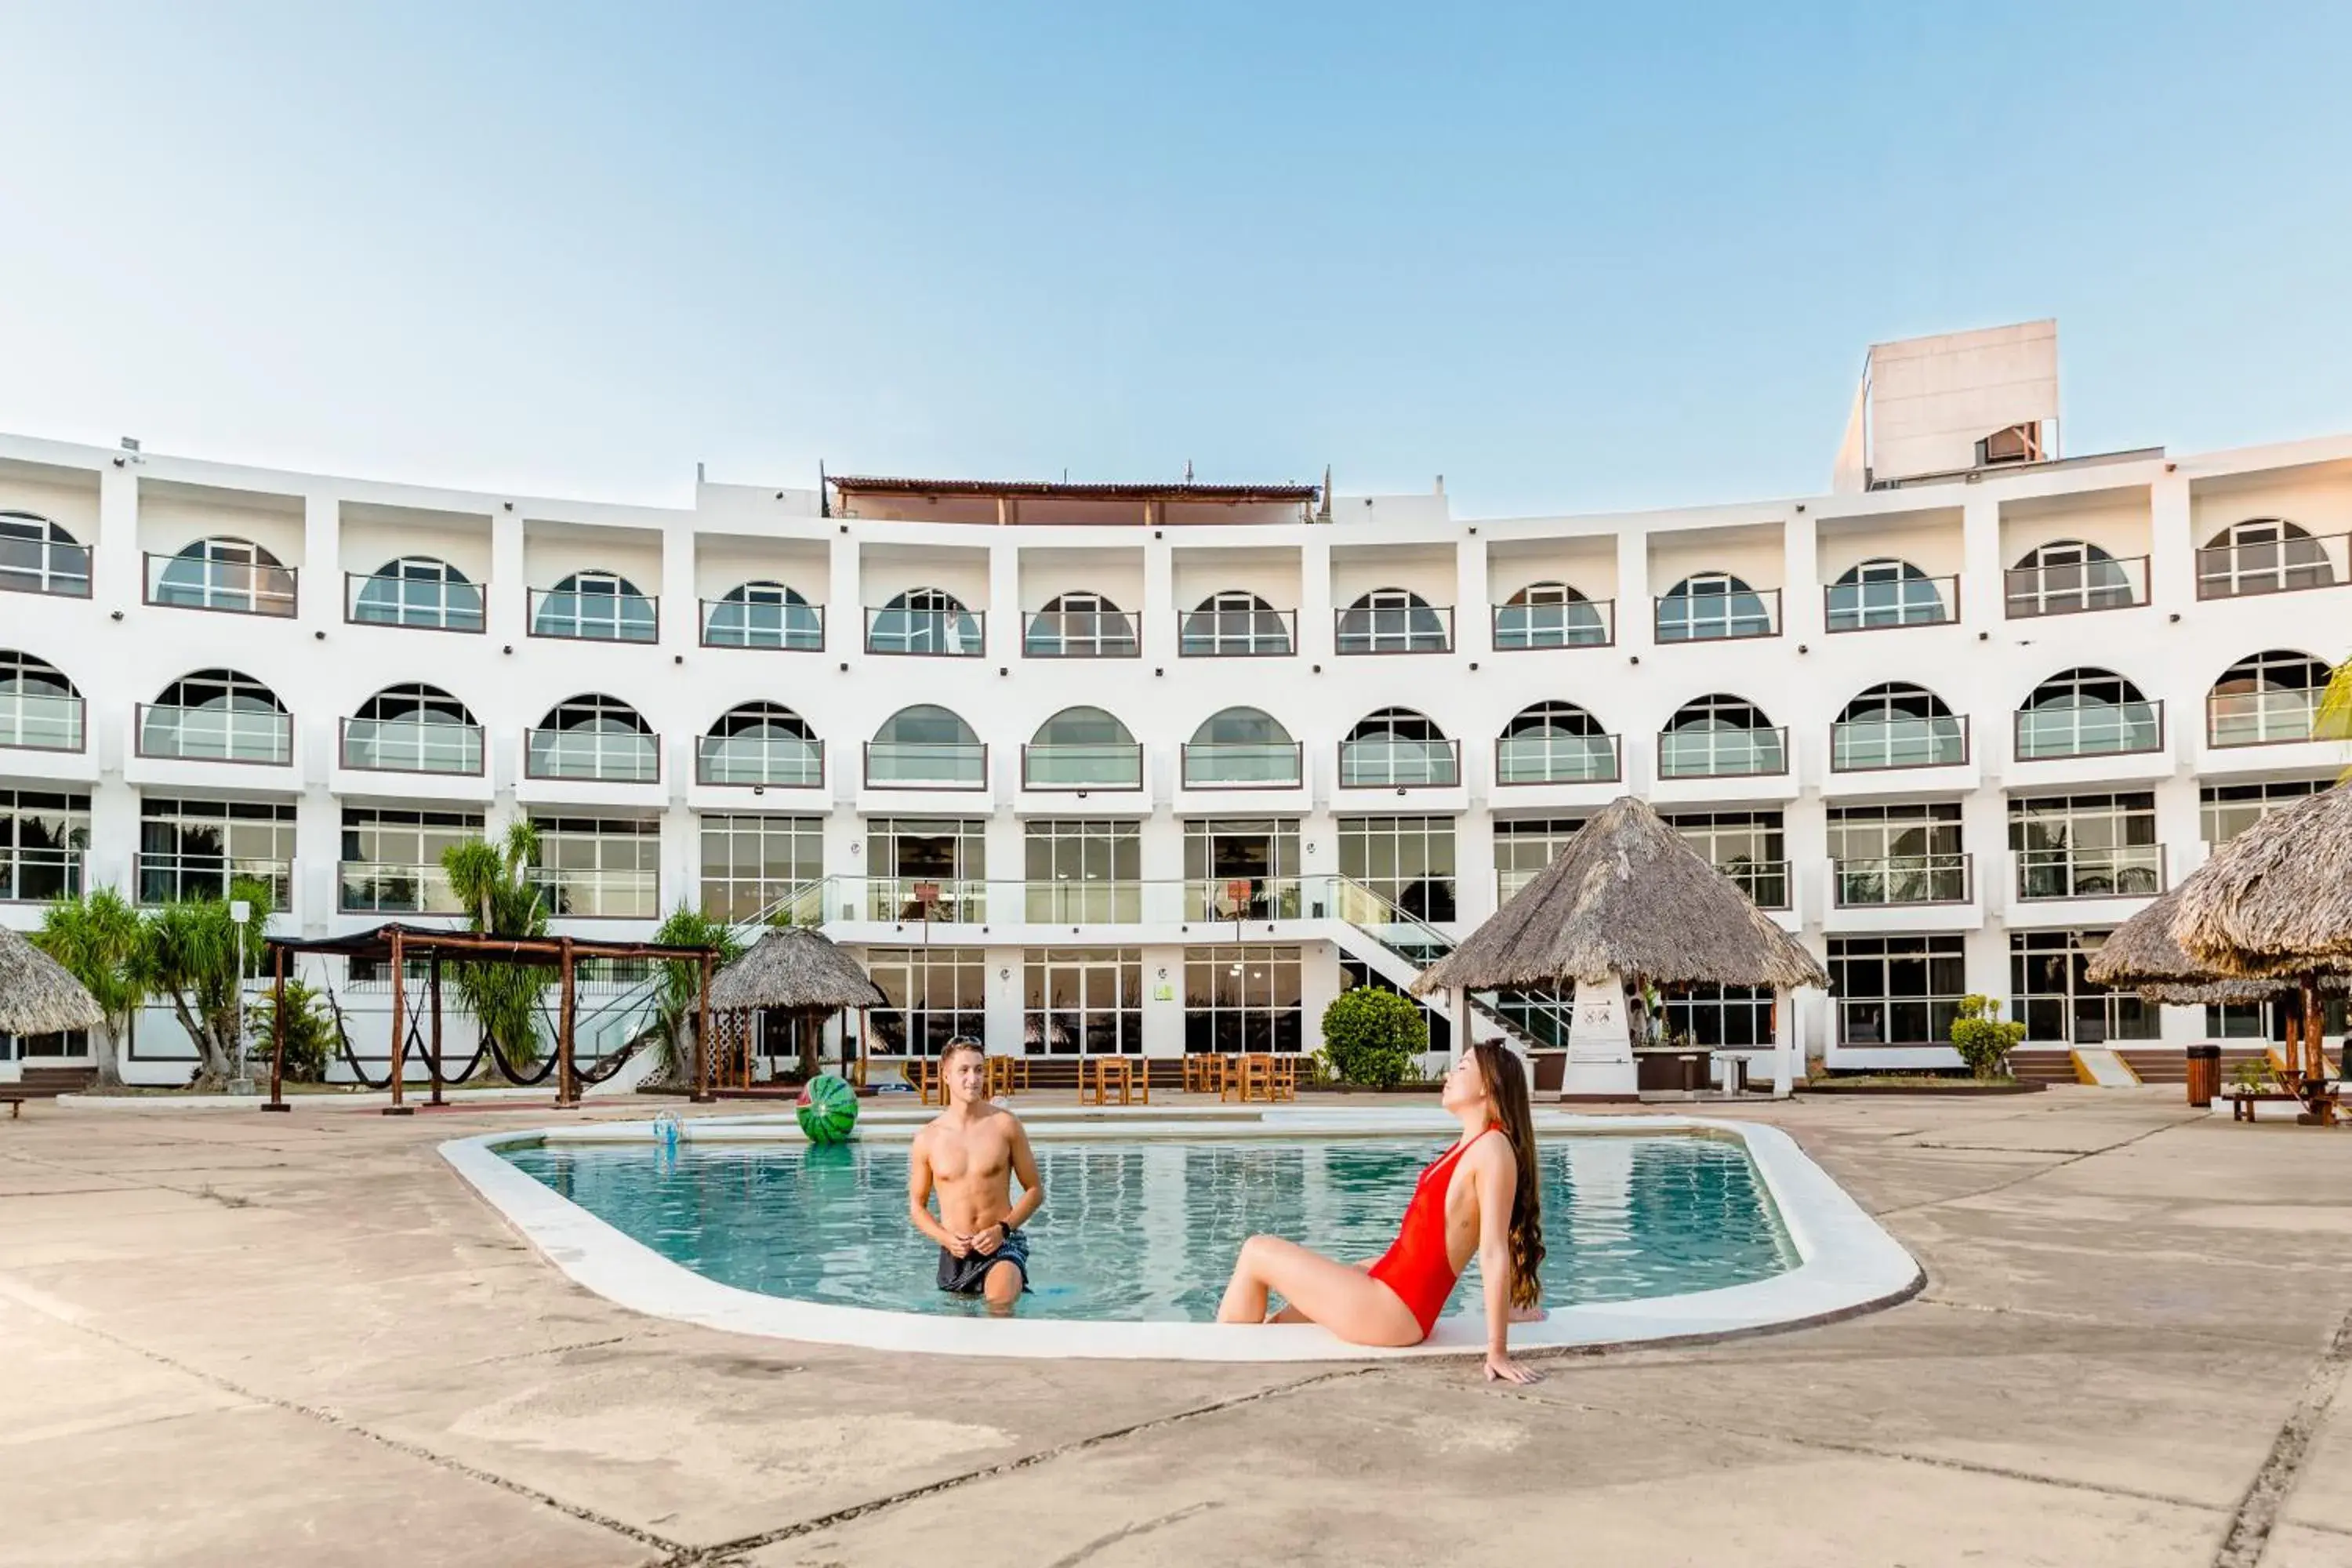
(1147, 1231)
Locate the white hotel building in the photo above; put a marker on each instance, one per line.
(1151, 767)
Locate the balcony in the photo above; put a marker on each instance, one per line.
(927, 764)
(1863, 745)
(2097, 730)
(1722, 753)
(411, 746)
(1886, 602)
(1395, 628)
(1077, 902)
(1241, 899)
(32, 875)
(1238, 634)
(1081, 634)
(1110, 765)
(1217, 764)
(1557, 758)
(2287, 565)
(570, 615)
(1903, 879)
(1580, 623)
(215, 734)
(44, 566)
(1718, 616)
(369, 887)
(934, 901)
(1766, 883)
(2115, 871)
(926, 634)
(235, 587)
(759, 762)
(2075, 587)
(419, 604)
(735, 623)
(591, 757)
(40, 721)
(169, 877)
(596, 894)
(1386, 762)
(2257, 718)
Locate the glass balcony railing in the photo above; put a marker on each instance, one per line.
(1863, 745)
(2079, 871)
(1081, 634)
(760, 762)
(1580, 623)
(2074, 587)
(571, 615)
(34, 875)
(238, 587)
(597, 756)
(42, 566)
(926, 765)
(2259, 718)
(733, 623)
(940, 901)
(1893, 879)
(167, 878)
(411, 746)
(1239, 633)
(1709, 752)
(1082, 767)
(1077, 902)
(2089, 729)
(1387, 761)
(40, 721)
(1884, 602)
(1557, 758)
(1402, 628)
(926, 634)
(216, 734)
(1222, 764)
(373, 889)
(1719, 617)
(422, 604)
(580, 893)
(2272, 566)
(1243, 899)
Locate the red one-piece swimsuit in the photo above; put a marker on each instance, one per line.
(1417, 1265)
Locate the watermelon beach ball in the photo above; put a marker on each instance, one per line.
(827, 1109)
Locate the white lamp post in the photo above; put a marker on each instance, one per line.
(240, 913)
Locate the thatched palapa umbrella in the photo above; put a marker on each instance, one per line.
(2141, 955)
(795, 970)
(37, 997)
(1628, 899)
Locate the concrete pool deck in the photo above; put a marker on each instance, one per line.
(247, 1340)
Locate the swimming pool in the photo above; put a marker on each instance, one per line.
(1147, 1231)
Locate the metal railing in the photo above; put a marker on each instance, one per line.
(927, 764)
(1580, 623)
(1886, 602)
(597, 756)
(599, 894)
(41, 567)
(1394, 762)
(1234, 764)
(1237, 634)
(1394, 628)
(2260, 717)
(168, 877)
(31, 875)
(2089, 729)
(1722, 753)
(938, 901)
(1081, 634)
(570, 615)
(1557, 758)
(738, 623)
(1883, 881)
(759, 762)
(411, 746)
(2283, 566)
(368, 887)
(235, 587)
(1717, 617)
(1062, 767)
(2117, 871)
(2071, 588)
(41, 721)
(419, 604)
(215, 734)
(1865, 745)
(926, 634)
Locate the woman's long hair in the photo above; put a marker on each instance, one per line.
(1506, 1092)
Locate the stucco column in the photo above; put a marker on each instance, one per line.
(1317, 633)
(1983, 589)
(1005, 620)
(507, 607)
(1802, 616)
(1636, 621)
(845, 608)
(681, 604)
(1156, 616)
(2172, 546)
(1473, 614)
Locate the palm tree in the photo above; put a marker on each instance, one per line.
(494, 881)
(195, 953)
(2334, 721)
(678, 994)
(98, 938)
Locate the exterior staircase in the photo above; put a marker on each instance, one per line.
(1398, 946)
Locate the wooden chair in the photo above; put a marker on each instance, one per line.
(1142, 1076)
(1285, 1079)
(924, 1073)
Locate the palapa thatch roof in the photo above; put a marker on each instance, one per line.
(2277, 900)
(795, 969)
(1629, 897)
(2141, 955)
(36, 995)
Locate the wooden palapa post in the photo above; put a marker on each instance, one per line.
(566, 1094)
(433, 1062)
(399, 1106)
(703, 1094)
(277, 1101)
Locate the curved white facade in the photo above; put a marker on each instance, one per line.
(849, 553)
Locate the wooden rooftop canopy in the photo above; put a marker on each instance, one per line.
(1047, 501)
(1064, 489)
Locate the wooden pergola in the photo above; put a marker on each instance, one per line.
(395, 945)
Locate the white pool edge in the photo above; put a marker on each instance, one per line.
(1848, 1264)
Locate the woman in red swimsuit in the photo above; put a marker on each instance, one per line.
(1480, 1197)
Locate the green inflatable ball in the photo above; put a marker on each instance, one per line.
(828, 1108)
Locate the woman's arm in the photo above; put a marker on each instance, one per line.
(1497, 1175)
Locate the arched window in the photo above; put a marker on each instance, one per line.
(924, 621)
(1885, 593)
(1555, 742)
(1396, 746)
(1394, 620)
(413, 729)
(928, 747)
(593, 738)
(2272, 696)
(234, 575)
(1234, 625)
(762, 614)
(417, 591)
(39, 709)
(1241, 748)
(36, 556)
(596, 606)
(1711, 607)
(1082, 747)
(1081, 625)
(1721, 736)
(762, 744)
(217, 715)
(1897, 725)
(2263, 555)
(1550, 614)
(2068, 575)
(2087, 712)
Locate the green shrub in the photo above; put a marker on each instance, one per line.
(1372, 1036)
(310, 1033)
(1983, 1039)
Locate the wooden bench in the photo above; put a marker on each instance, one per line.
(15, 1104)
(2242, 1102)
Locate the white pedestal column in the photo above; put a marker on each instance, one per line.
(1600, 1046)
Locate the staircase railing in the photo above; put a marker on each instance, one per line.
(1535, 1015)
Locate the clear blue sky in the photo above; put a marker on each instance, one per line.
(1572, 257)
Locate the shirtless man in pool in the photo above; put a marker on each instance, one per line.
(970, 1154)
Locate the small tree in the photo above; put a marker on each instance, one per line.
(310, 1031)
(1984, 1039)
(1371, 1036)
(494, 881)
(194, 953)
(96, 937)
(678, 994)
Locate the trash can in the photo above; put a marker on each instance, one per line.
(2204, 1075)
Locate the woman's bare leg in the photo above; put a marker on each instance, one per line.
(1344, 1300)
